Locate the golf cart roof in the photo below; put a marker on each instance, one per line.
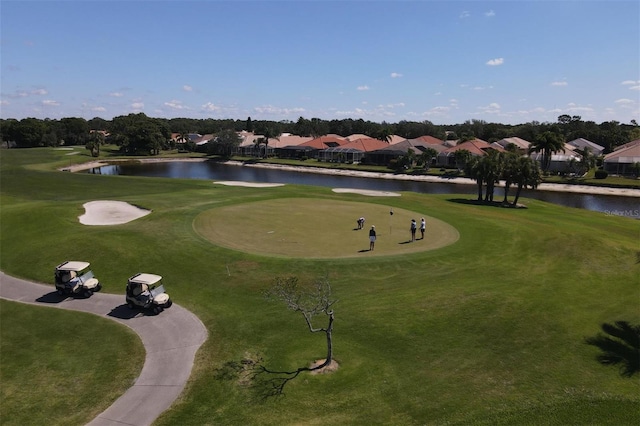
(72, 265)
(143, 278)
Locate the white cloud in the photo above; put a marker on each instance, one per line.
(495, 62)
(39, 92)
(559, 83)
(3, 102)
(137, 105)
(49, 102)
(396, 105)
(98, 109)
(187, 88)
(492, 108)
(489, 14)
(270, 109)
(116, 94)
(396, 75)
(635, 87)
(465, 14)
(210, 107)
(630, 83)
(362, 88)
(625, 102)
(173, 104)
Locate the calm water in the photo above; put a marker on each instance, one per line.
(607, 204)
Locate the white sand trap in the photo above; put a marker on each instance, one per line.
(110, 213)
(366, 192)
(248, 184)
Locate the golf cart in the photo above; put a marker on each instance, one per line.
(75, 277)
(146, 291)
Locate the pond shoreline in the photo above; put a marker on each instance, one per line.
(575, 188)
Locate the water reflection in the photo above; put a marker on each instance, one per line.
(608, 204)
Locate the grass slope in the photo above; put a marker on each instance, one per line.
(60, 367)
(488, 330)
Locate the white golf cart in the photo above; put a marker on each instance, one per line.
(75, 277)
(146, 291)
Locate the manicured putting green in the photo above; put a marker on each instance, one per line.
(319, 228)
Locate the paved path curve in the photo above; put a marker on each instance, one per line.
(170, 339)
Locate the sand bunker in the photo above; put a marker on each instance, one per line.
(110, 213)
(366, 192)
(248, 184)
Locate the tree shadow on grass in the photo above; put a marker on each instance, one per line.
(620, 346)
(487, 203)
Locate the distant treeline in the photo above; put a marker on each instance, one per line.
(32, 132)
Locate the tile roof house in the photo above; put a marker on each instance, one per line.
(561, 160)
(581, 143)
(384, 155)
(431, 140)
(310, 148)
(477, 147)
(353, 151)
(622, 160)
(520, 144)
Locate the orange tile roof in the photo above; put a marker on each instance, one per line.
(325, 142)
(366, 144)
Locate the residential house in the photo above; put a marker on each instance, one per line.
(521, 145)
(477, 148)
(352, 152)
(581, 143)
(622, 160)
(384, 155)
(310, 148)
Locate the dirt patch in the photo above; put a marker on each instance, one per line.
(110, 213)
(332, 367)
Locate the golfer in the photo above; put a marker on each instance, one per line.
(372, 237)
(423, 227)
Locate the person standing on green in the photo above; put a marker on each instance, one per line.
(372, 237)
(423, 227)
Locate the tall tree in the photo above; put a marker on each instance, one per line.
(310, 301)
(461, 156)
(225, 143)
(385, 134)
(528, 175)
(509, 172)
(94, 141)
(547, 143)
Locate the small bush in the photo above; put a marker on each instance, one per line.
(601, 174)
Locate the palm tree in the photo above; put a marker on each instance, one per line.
(385, 135)
(426, 158)
(493, 170)
(509, 172)
(528, 175)
(475, 168)
(547, 143)
(462, 156)
(588, 161)
(94, 141)
(269, 133)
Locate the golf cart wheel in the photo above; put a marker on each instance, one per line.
(87, 293)
(98, 287)
(168, 304)
(130, 304)
(157, 309)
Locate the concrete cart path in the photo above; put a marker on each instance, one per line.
(170, 339)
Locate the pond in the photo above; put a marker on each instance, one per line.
(607, 204)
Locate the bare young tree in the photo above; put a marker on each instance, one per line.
(310, 301)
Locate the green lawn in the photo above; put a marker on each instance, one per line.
(486, 330)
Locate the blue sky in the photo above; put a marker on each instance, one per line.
(444, 61)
